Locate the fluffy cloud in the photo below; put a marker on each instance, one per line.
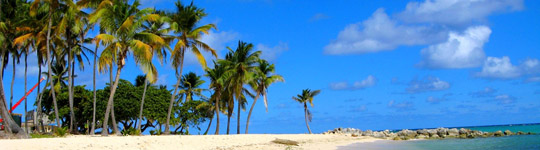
(421, 23)
(369, 81)
(379, 33)
(427, 84)
(502, 68)
(271, 53)
(459, 51)
(456, 12)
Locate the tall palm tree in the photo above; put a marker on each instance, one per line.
(184, 24)
(53, 5)
(304, 98)
(217, 80)
(242, 63)
(9, 20)
(157, 27)
(263, 79)
(122, 22)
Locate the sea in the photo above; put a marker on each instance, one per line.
(516, 142)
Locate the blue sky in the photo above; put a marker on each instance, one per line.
(379, 64)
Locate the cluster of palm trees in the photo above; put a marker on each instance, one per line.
(56, 30)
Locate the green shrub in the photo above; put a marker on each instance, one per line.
(155, 132)
(131, 131)
(61, 132)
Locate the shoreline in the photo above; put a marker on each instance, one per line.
(223, 142)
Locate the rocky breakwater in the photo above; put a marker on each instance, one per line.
(439, 133)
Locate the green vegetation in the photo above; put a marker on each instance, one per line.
(34, 135)
(56, 30)
(307, 97)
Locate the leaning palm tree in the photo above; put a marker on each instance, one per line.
(217, 80)
(307, 97)
(263, 79)
(183, 23)
(242, 63)
(157, 27)
(122, 22)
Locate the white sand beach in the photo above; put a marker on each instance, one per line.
(223, 142)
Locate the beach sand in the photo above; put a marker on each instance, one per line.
(222, 142)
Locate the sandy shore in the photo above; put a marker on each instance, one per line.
(224, 142)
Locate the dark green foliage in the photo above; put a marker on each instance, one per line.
(61, 132)
(190, 114)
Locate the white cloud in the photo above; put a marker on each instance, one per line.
(271, 53)
(379, 33)
(502, 68)
(505, 99)
(216, 40)
(427, 84)
(421, 23)
(369, 81)
(459, 51)
(456, 12)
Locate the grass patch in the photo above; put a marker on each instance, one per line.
(33, 135)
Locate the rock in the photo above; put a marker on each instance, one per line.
(520, 133)
(434, 136)
(423, 132)
(354, 135)
(407, 133)
(464, 131)
(432, 132)
(421, 136)
(367, 133)
(453, 132)
(397, 138)
(498, 133)
(508, 132)
(442, 132)
(378, 135)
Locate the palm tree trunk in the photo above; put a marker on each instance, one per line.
(40, 95)
(50, 70)
(92, 130)
(217, 114)
(70, 100)
(306, 116)
(209, 124)
(25, 89)
(142, 105)
(113, 118)
(228, 123)
(251, 110)
(12, 82)
(238, 119)
(179, 76)
(110, 105)
(10, 126)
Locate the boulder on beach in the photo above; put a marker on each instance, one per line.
(453, 132)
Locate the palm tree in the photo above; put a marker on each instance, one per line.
(158, 28)
(122, 22)
(9, 17)
(53, 5)
(263, 79)
(183, 23)
(217, 80)
(307, 97)
(190, 86)
(242, 65)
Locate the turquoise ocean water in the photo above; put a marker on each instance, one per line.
(517, 142)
